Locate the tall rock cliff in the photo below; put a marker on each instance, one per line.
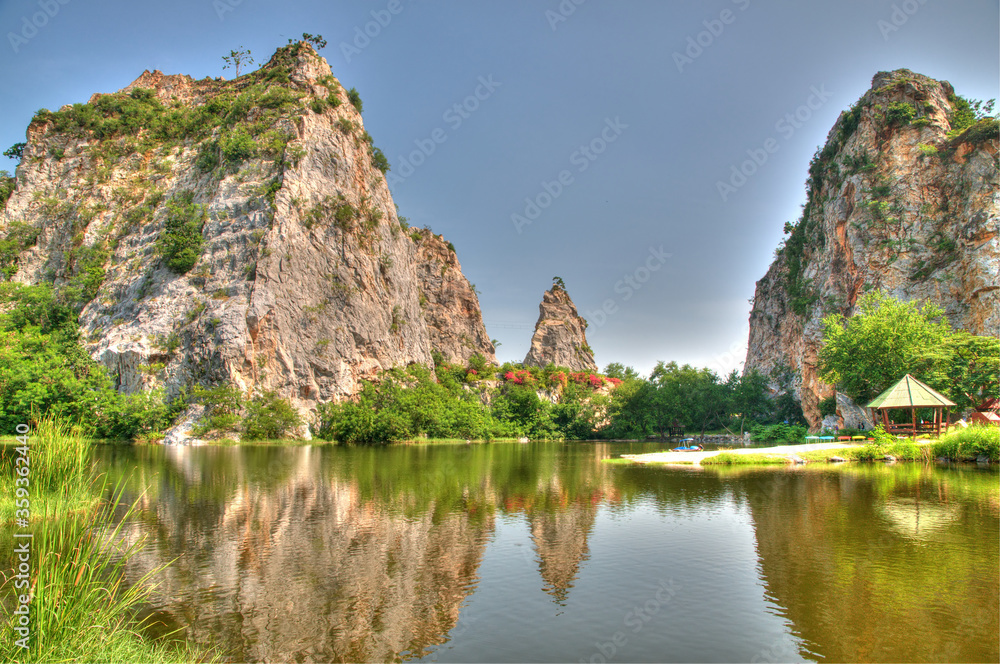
(898, 202)
(450, 303)
(236, 231)
(560, 334)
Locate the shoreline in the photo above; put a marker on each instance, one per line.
(695, 458)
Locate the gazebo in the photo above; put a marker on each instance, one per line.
(911, 393)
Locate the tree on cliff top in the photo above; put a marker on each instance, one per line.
(865, 354)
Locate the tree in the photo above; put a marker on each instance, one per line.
(751, 398)
(269, 418)
(15, 151)
(316, 40)
(965, 367)
(237, 59)
(867, 353)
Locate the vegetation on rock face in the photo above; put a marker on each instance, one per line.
(181, 240)
(867, 353)
(7, 186)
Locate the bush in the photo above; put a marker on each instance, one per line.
(19, 237)
(828, 406)
(7, 186)
(968, 444)
(181, 240)
(900, 113)
(773, 433)
(354, 97)
(379, 160)
(269, 418)
(238, 146)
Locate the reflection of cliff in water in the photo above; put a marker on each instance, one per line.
(866, 561)
(305, 569)
(560, 538)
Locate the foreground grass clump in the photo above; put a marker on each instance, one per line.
(81, 607)
(60, 475)
(731, 459)
(969, 444)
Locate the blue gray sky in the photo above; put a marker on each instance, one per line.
(589, 136)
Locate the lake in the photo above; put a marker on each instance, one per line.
(539, 552)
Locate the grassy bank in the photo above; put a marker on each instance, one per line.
(969, 444)
(80, 608)
(730, 459)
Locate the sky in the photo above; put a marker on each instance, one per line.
(583, 139)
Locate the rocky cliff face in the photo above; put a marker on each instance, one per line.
(560, 334)
(450, 303)
(895, 204)
(236, 231)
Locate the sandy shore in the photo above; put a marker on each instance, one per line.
(696, 457)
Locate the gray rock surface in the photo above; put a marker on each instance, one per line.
(289, 293)
(560, 335)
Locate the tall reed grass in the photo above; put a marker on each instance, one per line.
(969, 444)
(82, 608)
(61, 475)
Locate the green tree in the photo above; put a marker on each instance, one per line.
(865, 354)
(237, 59)
(15, 151)
(751, 398)
(965, 367)
(269, 418)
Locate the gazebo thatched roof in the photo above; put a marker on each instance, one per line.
(910, 393)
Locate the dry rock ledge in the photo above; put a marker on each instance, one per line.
(685, 458)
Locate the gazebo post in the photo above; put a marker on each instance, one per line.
(913, 413)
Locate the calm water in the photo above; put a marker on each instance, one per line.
(539, 552)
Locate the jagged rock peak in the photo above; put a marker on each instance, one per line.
(904, 198)
(450, 303)
(560, 334)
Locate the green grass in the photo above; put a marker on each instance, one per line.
(730, 459)
(60, 476)
(903, 450)
(968, 444)
(82, 609)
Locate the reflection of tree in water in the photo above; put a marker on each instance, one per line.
(844, 556)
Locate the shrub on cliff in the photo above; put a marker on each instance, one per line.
(181, 240)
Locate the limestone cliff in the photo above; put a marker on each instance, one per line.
(236, 231)
(560, 334)
(898, 202)
(450, 303)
